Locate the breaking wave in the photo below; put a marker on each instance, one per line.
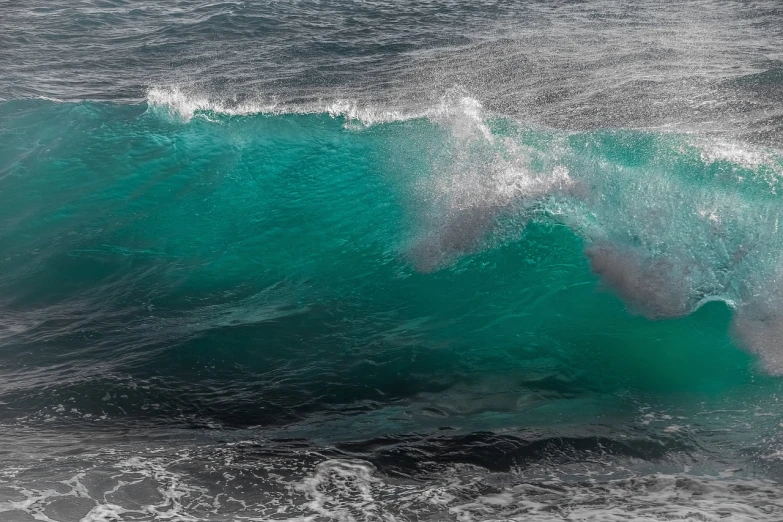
(668, 221)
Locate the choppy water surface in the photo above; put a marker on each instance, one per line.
(420, 261)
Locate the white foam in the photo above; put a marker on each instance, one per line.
(746, 155)
(186, 105)
(106, 512)
(763, 161)
(354, 490)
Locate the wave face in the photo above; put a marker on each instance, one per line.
(365, 261)
(315, 275)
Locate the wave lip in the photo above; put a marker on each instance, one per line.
(186, 105)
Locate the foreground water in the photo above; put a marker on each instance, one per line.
(354, 261)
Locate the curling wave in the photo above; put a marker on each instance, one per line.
(280, 217)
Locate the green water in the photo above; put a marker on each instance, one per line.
(265, 268)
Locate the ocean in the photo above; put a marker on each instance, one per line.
(350, 260)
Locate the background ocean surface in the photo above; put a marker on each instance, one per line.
(370, 261)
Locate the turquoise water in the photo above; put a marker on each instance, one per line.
(375, 262)
(358, 261)
(315, 276)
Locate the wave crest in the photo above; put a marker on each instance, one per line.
(186, 105)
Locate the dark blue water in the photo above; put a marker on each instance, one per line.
(420, 261)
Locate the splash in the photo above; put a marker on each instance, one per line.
(669, 222)
(479, 178)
